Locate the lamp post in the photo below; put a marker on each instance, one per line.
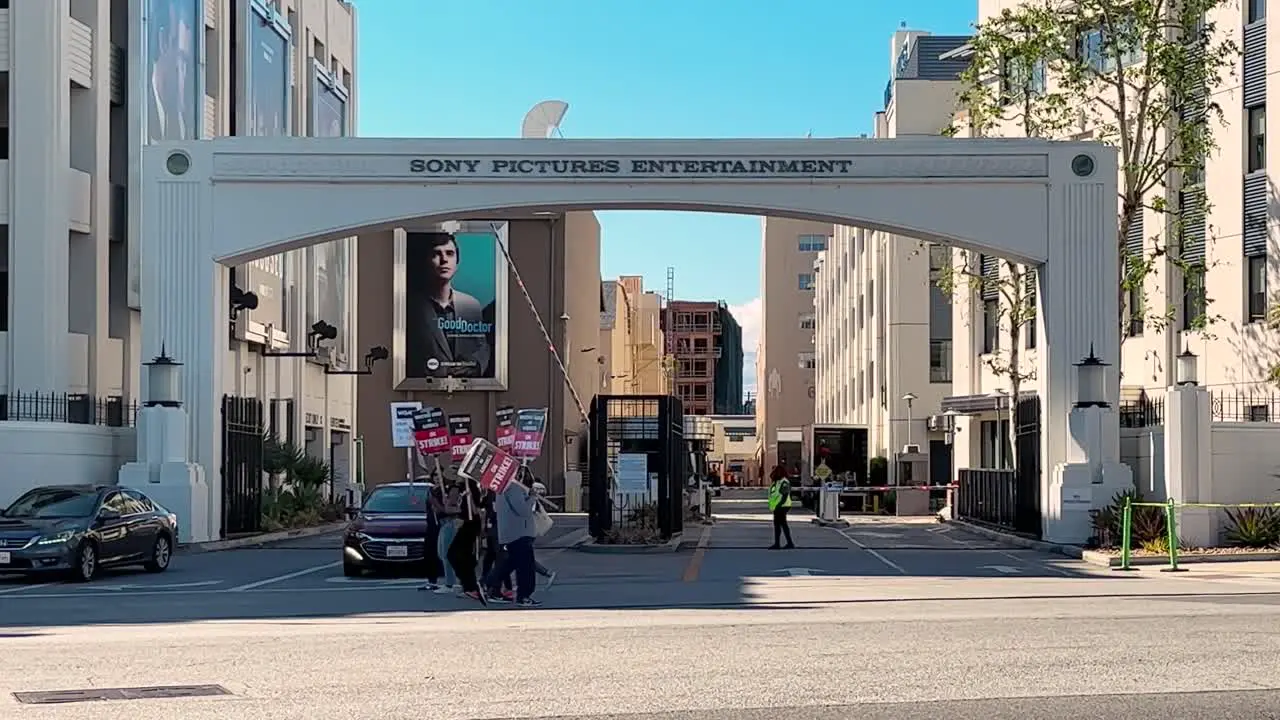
(909, 398)
(1091, 382)
(1187, 369)
(164, 381)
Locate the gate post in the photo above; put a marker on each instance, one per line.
(185, 296)
(1078, 309)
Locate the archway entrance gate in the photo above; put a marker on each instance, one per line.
(212, 204)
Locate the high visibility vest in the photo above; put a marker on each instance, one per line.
(778, 498)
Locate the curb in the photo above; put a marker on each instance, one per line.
(1070, 551)
(569, 540)
(260, 539)
(1107, 560)
(591, 546)
(836, 525)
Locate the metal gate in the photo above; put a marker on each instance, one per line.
(242, 450)
(1027, 517)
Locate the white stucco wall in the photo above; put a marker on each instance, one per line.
(40, 453)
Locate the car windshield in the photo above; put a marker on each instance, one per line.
(54, 503)
(398, 499)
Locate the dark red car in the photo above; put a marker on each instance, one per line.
(389, 531)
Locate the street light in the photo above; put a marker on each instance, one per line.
(1187, 369)
(908, 399)
(1091, 382)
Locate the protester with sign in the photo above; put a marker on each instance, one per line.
(493, 553)
(515, 507)
(446, 503)
(492, 468)
(462, 551)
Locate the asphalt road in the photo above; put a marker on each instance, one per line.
(887, 619)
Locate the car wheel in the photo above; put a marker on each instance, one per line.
(86, 562)
(161, 554)
(349, 570)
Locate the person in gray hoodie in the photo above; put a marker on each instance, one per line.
(515, 508)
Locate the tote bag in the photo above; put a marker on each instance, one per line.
(542, 522)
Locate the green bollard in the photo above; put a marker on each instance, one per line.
(1171, 524)
(1126, 534)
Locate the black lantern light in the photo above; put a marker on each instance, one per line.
(1091, 382)
(164, 381)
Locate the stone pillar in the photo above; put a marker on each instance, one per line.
(185, 303)
(1078, 310)
(40, 165)
(1188, 461)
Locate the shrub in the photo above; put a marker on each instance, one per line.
(1147, 522)
(1253, 527)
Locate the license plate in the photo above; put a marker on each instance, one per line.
(5, 558)
(397, 551)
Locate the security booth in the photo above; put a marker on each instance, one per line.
(699, 440)
(637, 462)
(912, 471)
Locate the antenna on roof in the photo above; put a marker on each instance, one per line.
(808, 135)
(903, 24)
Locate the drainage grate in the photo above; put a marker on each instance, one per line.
(55, 697)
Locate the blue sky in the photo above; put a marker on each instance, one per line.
(642, 69)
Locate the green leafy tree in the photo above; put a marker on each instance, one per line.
(1139, 75)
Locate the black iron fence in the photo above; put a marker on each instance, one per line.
(636, 469)
(989, 496)
(1226, 406)
(1141, 413)
(74, 408)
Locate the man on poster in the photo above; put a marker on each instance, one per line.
(447, 332)
(172, 57)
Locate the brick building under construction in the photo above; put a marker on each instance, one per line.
(705, 343)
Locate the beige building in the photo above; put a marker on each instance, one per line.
(631, 340)
(785, 358)
(558, 257)
(733, 450)
(1231, 252)
(883, 327)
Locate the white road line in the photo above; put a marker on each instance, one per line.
(287, 576)
(873, 553)
(1044, 565)
(23, 588)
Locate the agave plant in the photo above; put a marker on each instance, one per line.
(1253, 527)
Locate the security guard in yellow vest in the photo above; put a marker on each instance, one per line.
(779, 505)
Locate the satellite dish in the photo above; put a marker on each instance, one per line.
(543, 119)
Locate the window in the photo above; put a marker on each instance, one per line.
(1257, 288)
(1135, 303)
(1257, 11)
(1098, 51)
(1256, 144)
(1194, 305)
(990, 326)
(807, 361)
(939, 257)
(940, 361)
(812, 243)
(806, 281)
(1020, 75)
(808, 322)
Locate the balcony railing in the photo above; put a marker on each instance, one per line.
(74, 408)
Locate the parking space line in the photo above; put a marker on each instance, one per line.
(286, 576)
(889, 563)
(1044, 565)
(23, 588)
(695, 563)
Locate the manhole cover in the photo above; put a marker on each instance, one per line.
(54, 697)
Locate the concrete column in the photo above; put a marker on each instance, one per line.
(99, 238)
(187, 307)
(1188, 460)
(39, 120)
(1078, 310)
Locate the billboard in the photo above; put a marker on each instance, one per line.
(164, 69)
(262, 73)
(172, 67)
(451, 320)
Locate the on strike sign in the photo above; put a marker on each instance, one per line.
(430, 432)
(459, 435)
(505, 435)
(531, 426)
(491, 468)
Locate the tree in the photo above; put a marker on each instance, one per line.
(1139, 75)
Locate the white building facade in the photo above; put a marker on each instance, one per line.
(883, 328)
(88, 82)
(1218, 310)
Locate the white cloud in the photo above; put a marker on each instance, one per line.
(749, 316)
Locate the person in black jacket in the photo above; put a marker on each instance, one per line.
(462, 551)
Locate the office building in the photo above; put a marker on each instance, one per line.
(785, 359)
(1217, 307)
(631, 340)
(558, 259)
(883, 327)
(708, 357)
(733, 448)
(86, 85)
